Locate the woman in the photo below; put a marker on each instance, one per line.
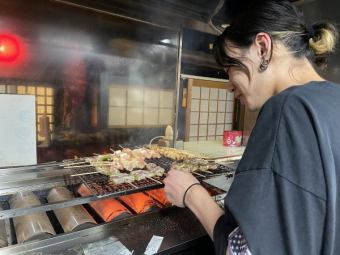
(284, 198)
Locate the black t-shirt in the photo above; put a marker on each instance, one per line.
(285, 196)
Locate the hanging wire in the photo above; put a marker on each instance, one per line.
(210, 22)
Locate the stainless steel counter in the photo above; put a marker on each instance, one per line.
(179, 227)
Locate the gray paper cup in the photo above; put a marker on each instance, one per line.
(70, 218)
(30, 227)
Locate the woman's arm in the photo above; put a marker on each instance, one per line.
(204, 207)
(197, 199)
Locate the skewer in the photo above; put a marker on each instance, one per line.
(201, 175)
(102, 164)
(154, 180)
(73, 175)
(132, 185)
(75, 163)
(206, 171)
(70, 167)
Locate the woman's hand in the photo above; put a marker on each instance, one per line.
(176, 183)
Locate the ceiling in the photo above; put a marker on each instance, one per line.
(172, 13)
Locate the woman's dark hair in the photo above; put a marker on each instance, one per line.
(284, 23)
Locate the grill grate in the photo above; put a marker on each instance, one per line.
(100, 184)
(163, 162)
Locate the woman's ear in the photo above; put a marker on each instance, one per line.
(263, 42)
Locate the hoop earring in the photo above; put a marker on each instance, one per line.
(264, 65)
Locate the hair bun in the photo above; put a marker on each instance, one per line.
(323, 41)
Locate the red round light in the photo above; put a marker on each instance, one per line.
(9, 48)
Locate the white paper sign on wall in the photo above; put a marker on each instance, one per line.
(17, 130)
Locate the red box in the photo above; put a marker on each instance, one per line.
(232, 138)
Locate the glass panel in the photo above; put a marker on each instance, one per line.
(41, 109)
(204, 93)
(222, 94)
(151, 98)
(229, 118)
(213, 94)
(212, 118)
(117, 96)
(12, 89)
(211, 129)
(49, 91)
(3, 89)
(230, 106)
(135, 97)
(31, 90)
(196, 92)
(193, 130)
(134, 116)
(194, 118)
(195, 105)
(21, 90)
(49, 100)
(213, 106)
(150, 116)
(202, 130)
(221, 106)
(203, 118)
(219, 130)
(220, 118)
(204, 105)
(166, 99)
(40, 100)
(165, 116)
(228, 127)
(41, 91)
(117, 116)
(49, 109)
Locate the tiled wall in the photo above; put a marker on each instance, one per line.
(140, 106)
(211, 113)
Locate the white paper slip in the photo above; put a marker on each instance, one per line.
(153, 245)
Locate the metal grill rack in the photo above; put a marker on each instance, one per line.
(163, 162)
(100, 185)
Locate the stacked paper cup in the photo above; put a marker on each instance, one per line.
(3, 235)
(30, 227)
(71, 218)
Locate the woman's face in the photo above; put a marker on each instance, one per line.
(253, 89)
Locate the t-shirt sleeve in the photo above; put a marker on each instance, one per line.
(223, 227)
